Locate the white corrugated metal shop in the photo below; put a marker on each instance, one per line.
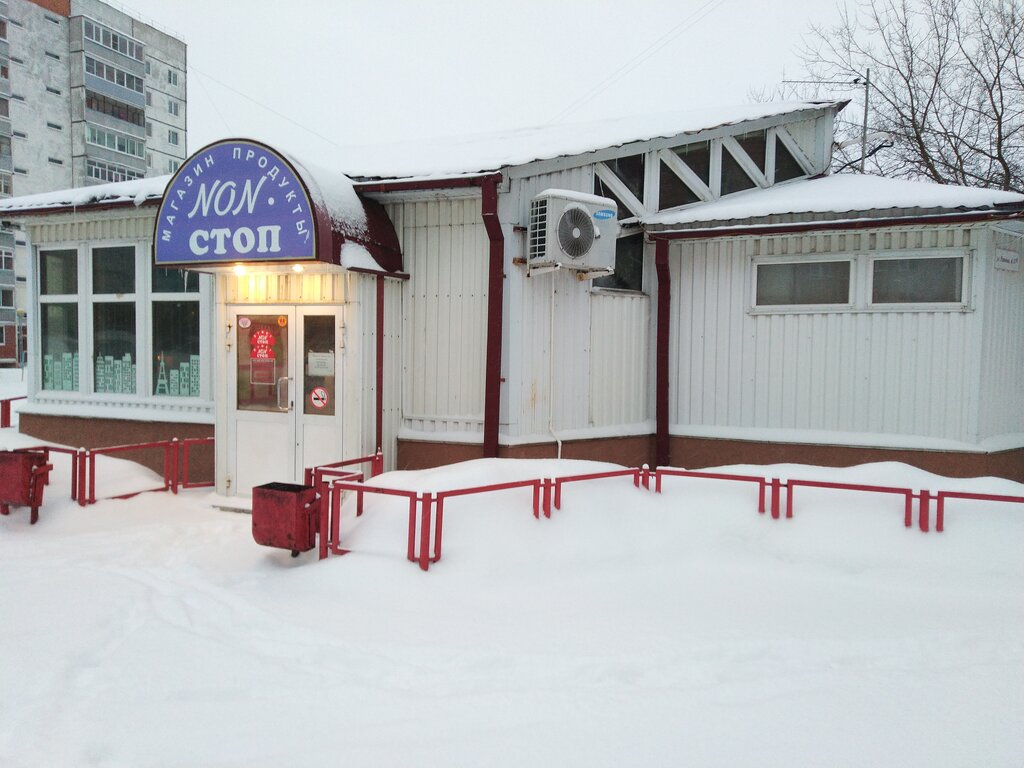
(686, 289)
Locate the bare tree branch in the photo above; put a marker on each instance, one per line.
(947, 87)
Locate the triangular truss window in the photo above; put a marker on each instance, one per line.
(630, 171)
(673, 191)
(603, 190)
(734, 178)
(698, 158)
(755, 145)
(786, 166)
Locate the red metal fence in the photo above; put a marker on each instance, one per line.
(176, 459)
(5, 410)
(425, 533)
(426, 510)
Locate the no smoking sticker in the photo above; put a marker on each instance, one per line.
(318, 397)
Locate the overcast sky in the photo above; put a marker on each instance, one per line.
(307, 74)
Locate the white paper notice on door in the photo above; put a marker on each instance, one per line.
(319, 363)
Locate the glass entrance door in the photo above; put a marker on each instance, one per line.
(261, 386)
(283, 372)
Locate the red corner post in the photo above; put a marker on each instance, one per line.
(380, 363)
(661, 451)
(495, 300)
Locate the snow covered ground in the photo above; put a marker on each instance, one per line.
(629, 630)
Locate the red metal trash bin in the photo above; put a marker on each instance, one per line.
(22, 479)
(284, 515)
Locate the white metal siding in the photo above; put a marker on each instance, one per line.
(529, 331)
(305, 288)
(118, 225)
(1002, 394)
(366, 397)
(394, 378)
(444, 329)
(907, 373)
(619, 338)
(598, 342)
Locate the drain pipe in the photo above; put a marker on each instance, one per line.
(551, 367)
(661, 444)
(380, 363)
(495, 302)
(488, 184)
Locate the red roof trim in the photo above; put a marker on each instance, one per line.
(807, 226)
(413, 185)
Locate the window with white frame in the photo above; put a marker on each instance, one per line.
(172, 77)
(113, 74)
(172, 107)
(863, 281)
(114, 108)
(58, 320)
(6, 259)
(7, 298)
(103, 171)
(918, 280)
(113, 319)
(172, 137)
(803, 283)
(175, 341)
(786, 165)
(629, 265)
(112, 40)
(629, 248)
(114, 140)
(132, 312)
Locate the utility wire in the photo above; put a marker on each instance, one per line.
(642, 56)
(259, 103)
(213, 103)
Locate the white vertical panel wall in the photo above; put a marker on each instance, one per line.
(366, 360)
(444, 325)
(908, 374)
(1002, 390)
(619, 359)
(394, 377)
(576, 359)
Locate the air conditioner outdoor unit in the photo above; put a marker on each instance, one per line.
(572, 230)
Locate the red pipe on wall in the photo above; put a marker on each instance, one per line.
(380, 362)
(661, 443)
(495, 307)
(488, 184)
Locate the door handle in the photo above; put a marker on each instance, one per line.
(279, 390)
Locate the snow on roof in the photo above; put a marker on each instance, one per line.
(355, 256)
(335, 192)
(841, 193)
(137, 192)
(443, 157)
(331, 188)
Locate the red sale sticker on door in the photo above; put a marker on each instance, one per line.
(261, 344)
(318, 397)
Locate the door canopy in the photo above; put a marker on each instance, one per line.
(240, 201)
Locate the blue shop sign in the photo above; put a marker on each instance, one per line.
(235, 201)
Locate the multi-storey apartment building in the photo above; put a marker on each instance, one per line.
(88, 95)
